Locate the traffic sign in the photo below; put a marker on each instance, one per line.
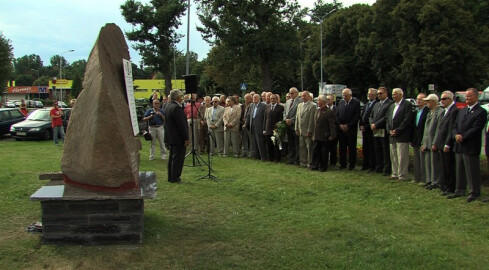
(243, 86)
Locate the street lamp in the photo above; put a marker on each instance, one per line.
(61, 71)
(37, 82)
(187, 66)
(321, 22)
(302, 80)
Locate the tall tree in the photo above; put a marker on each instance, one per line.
(26, 63)
(76, 88)
(155, 32)
(344, 64)
(6, 61)
(259, 30)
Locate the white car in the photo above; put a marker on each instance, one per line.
(9, 104)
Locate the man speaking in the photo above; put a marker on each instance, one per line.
(176, 135)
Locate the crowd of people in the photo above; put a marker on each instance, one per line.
(446, 141)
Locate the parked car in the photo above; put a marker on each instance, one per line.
(9, 117)
(9, 104)
(39, 104)
(17, 103)
(30, 103)
(61, 104)
(140, 110)
(37, 125)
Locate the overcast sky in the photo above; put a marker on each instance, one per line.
(51, 27)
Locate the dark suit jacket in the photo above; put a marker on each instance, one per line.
(176, 128)
(350, 114)
(378, 115)
(258, 122)
(364, 120)
(470, 126)
(273, 117)
(402, 122)
(445, 126)
(418, 131)
(325, 124)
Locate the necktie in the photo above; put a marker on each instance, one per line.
(214, 114)
(468, 110)
(273, 107)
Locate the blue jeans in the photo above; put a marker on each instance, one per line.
(58, 130)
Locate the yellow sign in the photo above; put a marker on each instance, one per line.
(61, 81)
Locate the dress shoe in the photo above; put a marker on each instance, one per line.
(454, 195)
(445, 193)
(471, 199)
(392, 178)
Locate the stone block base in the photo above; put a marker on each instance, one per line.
(93, 222)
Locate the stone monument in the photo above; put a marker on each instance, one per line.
(100, 150)
(98, 198)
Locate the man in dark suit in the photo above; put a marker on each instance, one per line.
(367, 134)
(444, 142)
(348, 116)
(256, 121)
(290, 114)
(275, 114)
(333, 145)
(468, 129)
(381, 138)
(324, 134)
(416, 139)
(399, 124)
(176, 135)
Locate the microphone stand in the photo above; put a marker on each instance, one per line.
(196, 159)
(209, 175)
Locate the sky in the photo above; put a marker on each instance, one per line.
(53, 27)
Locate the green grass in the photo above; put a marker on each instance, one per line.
(258, 215)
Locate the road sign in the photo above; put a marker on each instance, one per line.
(431, 87)
(243, 86)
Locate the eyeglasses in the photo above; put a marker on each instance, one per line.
(445, 98)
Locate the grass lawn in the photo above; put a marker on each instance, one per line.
(259, 215)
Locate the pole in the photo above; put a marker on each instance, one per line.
(322, 19)
(37, 83)
(174, 66)
(302, 80)
(187, 67)
(61, 72)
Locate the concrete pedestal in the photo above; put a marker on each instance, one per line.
(71, 215)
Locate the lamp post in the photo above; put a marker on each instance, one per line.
(61, 71)
(37, 82)
(187, 67)
(321, 22)
(302, 80)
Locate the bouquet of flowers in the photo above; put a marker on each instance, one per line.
(279, 133)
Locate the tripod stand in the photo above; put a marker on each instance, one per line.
(196, 159)
(209, 175)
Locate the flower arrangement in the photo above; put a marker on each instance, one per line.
(279, 133)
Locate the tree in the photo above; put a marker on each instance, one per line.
(76, 88)
(155, 32)
(27, 63)
(345, 63)
(256, 30)
(6, 59)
